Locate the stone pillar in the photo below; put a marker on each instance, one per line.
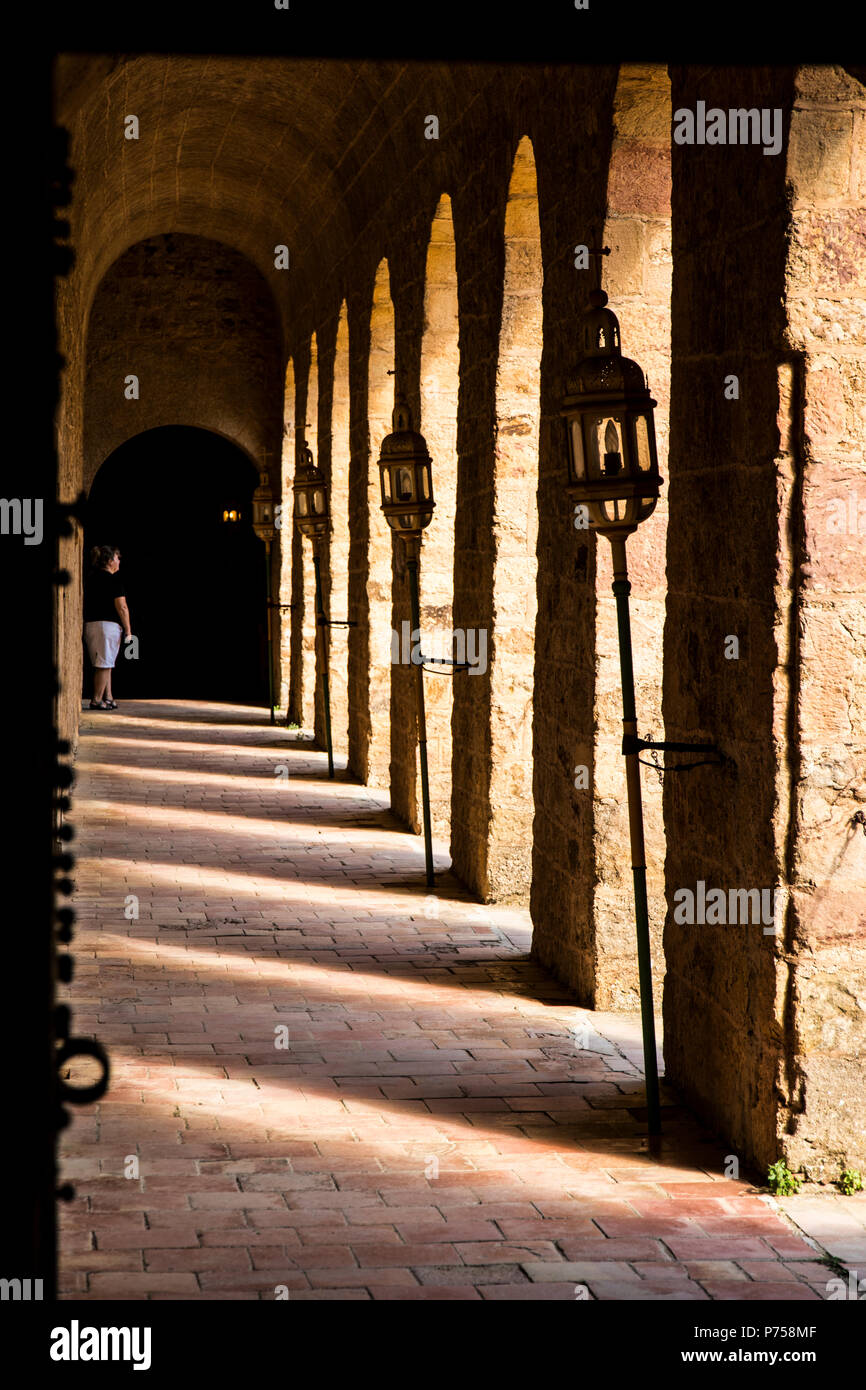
(302, 698)
(371, 320)
(764, 647)
(479, 234)
(380, 409)
(438, 423)
(339, 547)
(69, 622)
(572, 155)
(510, 644)
(285, 546)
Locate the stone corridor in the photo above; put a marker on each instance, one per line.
(330, 1084)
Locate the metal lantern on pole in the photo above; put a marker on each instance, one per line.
(264, 526)
(312, 514)
(406, 477)
(313, 519)
(613, 466)
(613, 473)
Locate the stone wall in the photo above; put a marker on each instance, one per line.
(198, 327)
(821, 1124)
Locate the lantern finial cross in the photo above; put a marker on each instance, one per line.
(596, 253)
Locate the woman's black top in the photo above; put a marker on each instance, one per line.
(100, 590)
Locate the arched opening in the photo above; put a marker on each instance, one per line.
(195, 582)
(518, 385)
(637, 277)
(307, 430)
(339, 543)
(380, 406)
(440, 383)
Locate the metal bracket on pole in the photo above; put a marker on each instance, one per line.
(632, 744)
(444, 661)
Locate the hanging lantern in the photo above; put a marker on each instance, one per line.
(405, 474)
(312, 516)
(263, 510)
(612, 461)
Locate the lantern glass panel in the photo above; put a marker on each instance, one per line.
(302, 504)
(604, 442)
(319, 502)
(425, 481)
(643, 443)
(577, 455)
(405, 490)
(386, 485)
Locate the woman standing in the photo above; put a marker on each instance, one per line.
(106, 620)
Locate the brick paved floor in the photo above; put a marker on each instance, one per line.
(337, 1085)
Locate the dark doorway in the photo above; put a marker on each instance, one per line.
(195, 583)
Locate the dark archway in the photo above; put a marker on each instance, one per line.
(195, 583)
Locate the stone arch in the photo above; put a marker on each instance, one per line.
(515, 526)
(196, 323)
(439, 387)
(205, 475)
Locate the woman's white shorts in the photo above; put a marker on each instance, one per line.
(103, 643)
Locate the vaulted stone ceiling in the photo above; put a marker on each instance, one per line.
(250, 151)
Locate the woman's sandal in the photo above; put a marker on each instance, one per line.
(109, 704)
(100, 704)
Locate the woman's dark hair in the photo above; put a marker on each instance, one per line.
(102, 555)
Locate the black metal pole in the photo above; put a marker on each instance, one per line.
(413, 546)
(622, 588)
(322, 637)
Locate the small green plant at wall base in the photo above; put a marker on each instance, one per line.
(781, 1180)
(850, 1181)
